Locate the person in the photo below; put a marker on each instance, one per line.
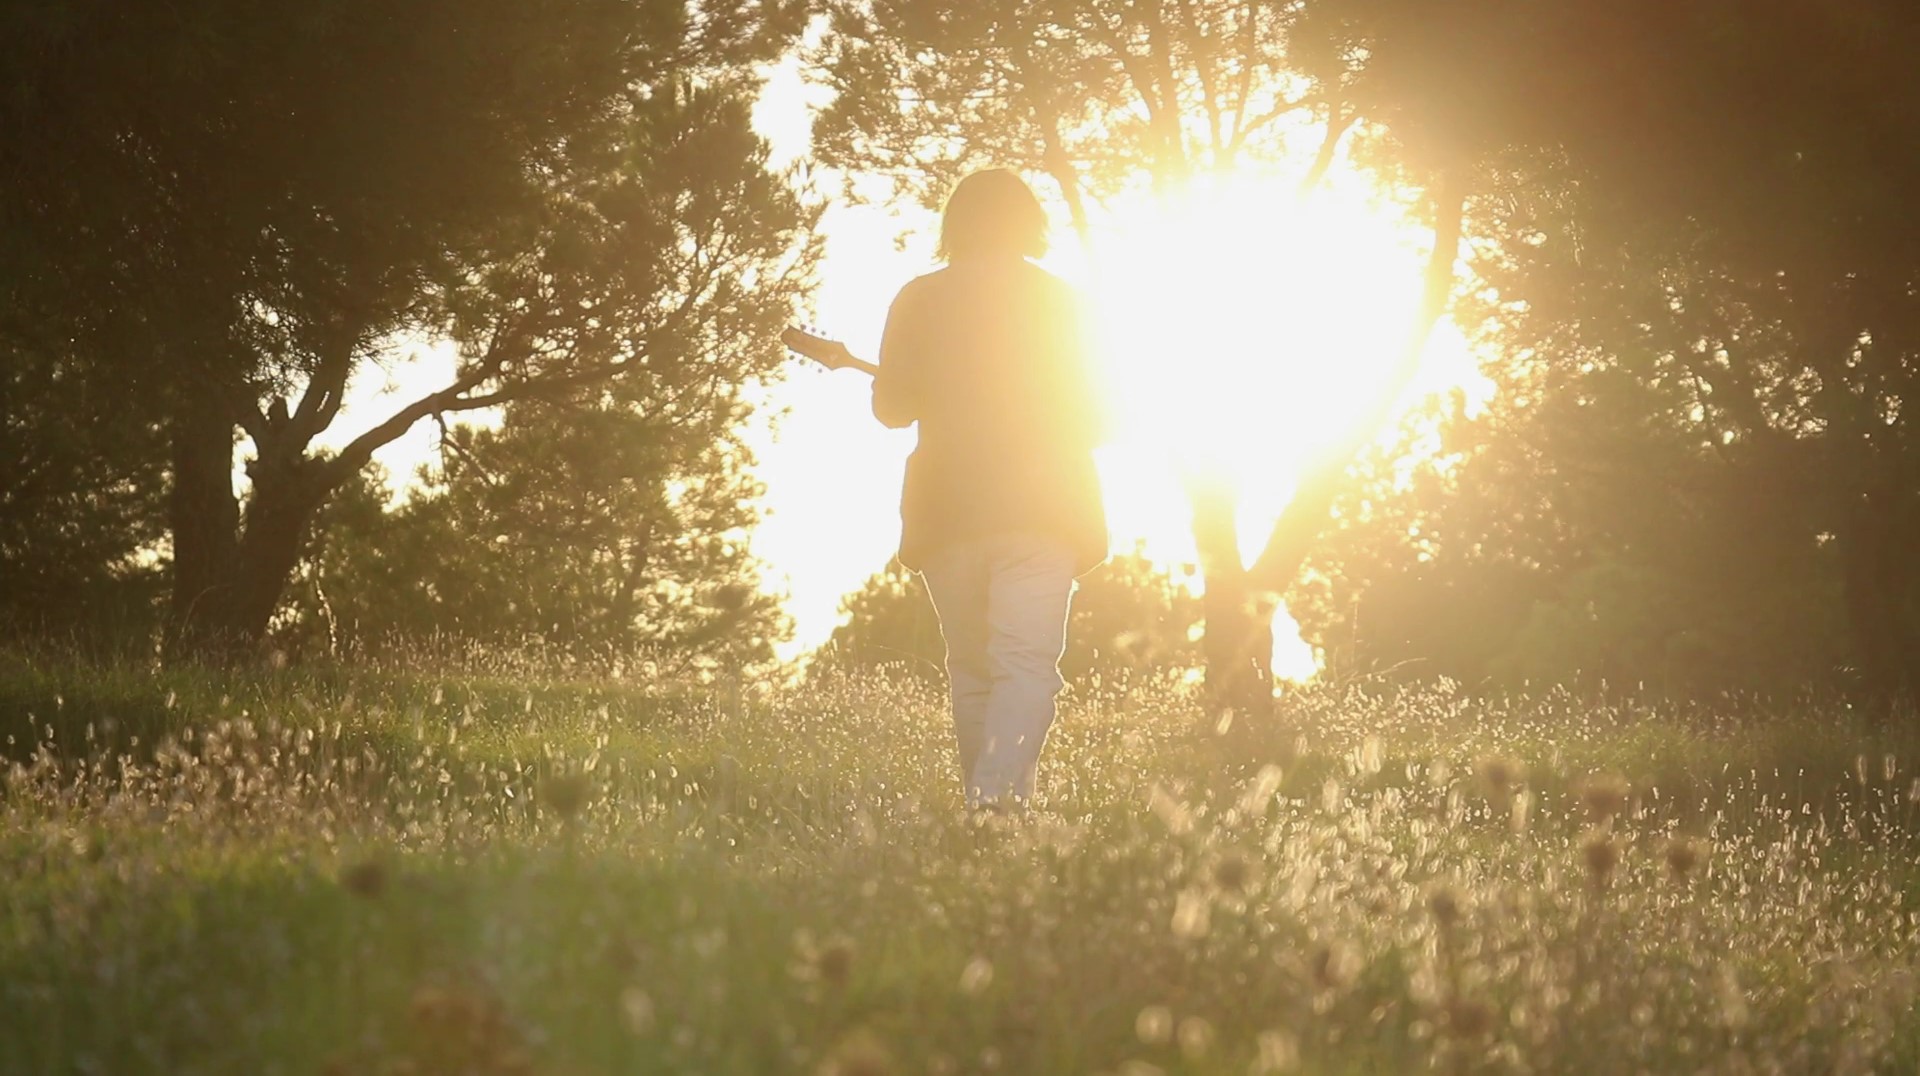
(1001, 506)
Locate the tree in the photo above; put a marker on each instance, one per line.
(238, 207)
(1101, 96)
(889, 621)
(78, 507)
(1130, 620)
(1698, 269)
(586, 534)
(1707, 207)
(1565, 537)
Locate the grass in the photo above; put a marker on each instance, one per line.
(393, 871)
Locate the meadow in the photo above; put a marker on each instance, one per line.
(474, 870)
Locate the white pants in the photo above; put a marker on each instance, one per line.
(1003, 602)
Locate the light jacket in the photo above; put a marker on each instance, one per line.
(991, 358)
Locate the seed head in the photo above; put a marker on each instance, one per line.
(367, 878)
(1501, 774)
(1195, 1036)
(834, 962)
(637, 1010)
(567, 794)
(1333, 965)
(1154, 1025)
(976, 976)
(1683, 855)
(1469, 1018)
(1231, 872)
(859, 1054)
(1605, 796)
(1601, 856)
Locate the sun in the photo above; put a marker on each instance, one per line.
(1241, 328)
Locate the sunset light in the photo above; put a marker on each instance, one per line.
(1243, 328)
(880, 537)
(1240, 327)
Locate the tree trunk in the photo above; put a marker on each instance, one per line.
(279, 511)
(228, 580)
(1237, 646)
(204, 515)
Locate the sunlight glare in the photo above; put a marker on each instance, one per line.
(1243, 329)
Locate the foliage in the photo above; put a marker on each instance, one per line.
(1699, 464)
(568, 191)
(889, 621)
(1129, 621)
(79, 505)
(1090, 94)
(592, 534)
(415, 871)
(1570, 543)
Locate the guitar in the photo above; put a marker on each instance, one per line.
(831, 354)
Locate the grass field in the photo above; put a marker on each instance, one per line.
(399, 872)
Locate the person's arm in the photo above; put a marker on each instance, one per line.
(896, 383)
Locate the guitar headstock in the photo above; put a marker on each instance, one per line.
(831, 354)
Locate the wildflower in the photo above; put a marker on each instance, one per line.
(1734, 1011)
(566, 793)
(1605, 796)
(1195, 1036)
(834, 962)
(1231, 872)
(1192, 915)
(1260, 790)
(1683, 855)
(1519, 811)
(976, 977)
(1279, 1052)
(861, 1053)
(367, 878)
(1154, 1025)
(1601, 856)
(1334, 965)
(1501, 774)
(1469, 1018)
(636, 1010)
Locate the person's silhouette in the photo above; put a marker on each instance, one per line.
(1001, 507)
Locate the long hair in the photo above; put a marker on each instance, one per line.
(992, 213)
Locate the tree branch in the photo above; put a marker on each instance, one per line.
(320, 403)
(500, 350)
(1269, 116)
(1339, 121)
(1053, 155)
(1173, 138)
(1249, 37)
(1143, 81)
(1198, 45)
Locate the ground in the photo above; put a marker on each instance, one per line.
(407, 870)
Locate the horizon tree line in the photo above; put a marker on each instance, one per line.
(1678, 232)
